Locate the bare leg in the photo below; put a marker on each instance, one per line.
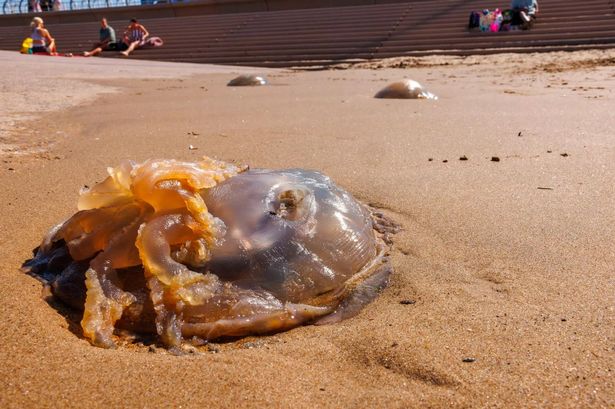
(130, 49)
(525, 19)
(96, 49)
(52, 48)
(93, 52)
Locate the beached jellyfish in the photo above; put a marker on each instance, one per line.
(247, 80)
(209, 249)
(406, 89)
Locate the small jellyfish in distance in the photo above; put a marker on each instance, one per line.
(247, 81)
(406, 89)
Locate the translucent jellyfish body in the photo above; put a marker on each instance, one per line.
(205, 250)
(406, 89)
(247, 80)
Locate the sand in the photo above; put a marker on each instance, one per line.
(509, 266)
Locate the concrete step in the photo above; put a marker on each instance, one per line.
(315, 36)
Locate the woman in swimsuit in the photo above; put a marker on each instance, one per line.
(134, 37)
(42, 42)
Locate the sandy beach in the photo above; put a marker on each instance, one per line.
(503, 292)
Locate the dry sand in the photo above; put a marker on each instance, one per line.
(509, 263)
(34, 85)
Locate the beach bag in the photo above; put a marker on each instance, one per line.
(153, 42)
(496, 21)
(474, 20)
(486, 18)
(26, 46)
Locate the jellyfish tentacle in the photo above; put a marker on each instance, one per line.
(105, 300)
(104, 303)
(288, 316)
(166, 185)
(169, 186)
(235, 310)
(50, 238)
(173, 188)
(172, 285)
(156, 203)
(99, 228)
(69, 229)
(114, 190)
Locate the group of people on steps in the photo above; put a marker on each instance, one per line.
(134, 37)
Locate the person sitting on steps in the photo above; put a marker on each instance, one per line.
(42, 42)
(106, 40)
(525, 12)
(134, 37)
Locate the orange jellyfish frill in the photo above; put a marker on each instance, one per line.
(146, 214)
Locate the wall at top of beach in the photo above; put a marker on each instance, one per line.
(189, 8)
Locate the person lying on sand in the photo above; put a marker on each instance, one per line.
(134, 37)
(106, 40)
(42, 42)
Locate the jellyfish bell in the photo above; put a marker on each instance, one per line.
(247, 80)
(297, 234)
(406, 89)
